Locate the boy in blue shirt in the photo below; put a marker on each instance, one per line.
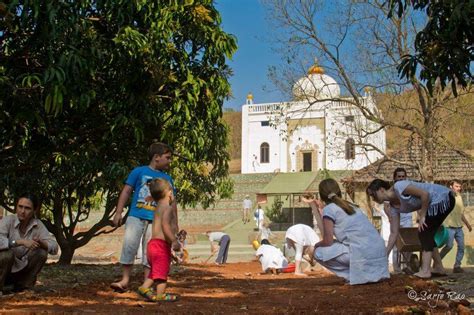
(140, 218)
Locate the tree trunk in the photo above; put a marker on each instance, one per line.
(67, 252)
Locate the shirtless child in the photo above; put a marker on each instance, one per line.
(163, 239)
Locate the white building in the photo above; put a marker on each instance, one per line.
(317, 130)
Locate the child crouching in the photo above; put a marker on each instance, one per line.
(163, 239)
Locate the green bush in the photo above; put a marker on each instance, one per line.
(275, 213)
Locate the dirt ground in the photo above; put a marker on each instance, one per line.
(229, 289)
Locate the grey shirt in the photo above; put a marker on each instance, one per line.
(10, 231)
(216, 236)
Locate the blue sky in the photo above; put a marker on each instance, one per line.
(246, 20)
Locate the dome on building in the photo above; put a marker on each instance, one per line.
(315, 86)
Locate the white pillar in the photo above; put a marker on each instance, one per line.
(245, 156)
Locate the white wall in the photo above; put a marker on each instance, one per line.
(331, 145)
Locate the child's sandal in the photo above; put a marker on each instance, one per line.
(167, 297)
(147, 294)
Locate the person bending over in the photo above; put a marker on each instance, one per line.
(434, 203)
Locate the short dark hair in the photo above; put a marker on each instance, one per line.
(397, 170)
(375, 185)
(159, 148)
(457, 181)
(31, 197)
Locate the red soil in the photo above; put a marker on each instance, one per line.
(229, 289)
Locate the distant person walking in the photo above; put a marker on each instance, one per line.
(259, 217)
(220, 242)
(454, 223)
(246, 205)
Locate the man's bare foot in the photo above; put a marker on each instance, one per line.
(423, 275)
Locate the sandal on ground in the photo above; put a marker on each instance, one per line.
(117, 287)
(147, 293)
(424, 278)
(167, 297)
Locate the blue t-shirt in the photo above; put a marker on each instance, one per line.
(142, 205)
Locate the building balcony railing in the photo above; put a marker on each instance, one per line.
(272, 107)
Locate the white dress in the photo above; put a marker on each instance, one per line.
(271, 257)
(303, 235)
(358, 254)
(385, 229)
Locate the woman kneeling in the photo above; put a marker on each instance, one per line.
(358, 253)
(24, 245)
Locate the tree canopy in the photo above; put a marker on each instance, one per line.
(86, 86)
(444, 47)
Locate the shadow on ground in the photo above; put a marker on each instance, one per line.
(233, 288)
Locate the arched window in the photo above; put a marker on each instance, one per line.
(264, 153)
(350, 149)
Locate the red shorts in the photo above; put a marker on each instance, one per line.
(159, 258)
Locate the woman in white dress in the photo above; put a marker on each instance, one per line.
(358, 253)
(300, 237)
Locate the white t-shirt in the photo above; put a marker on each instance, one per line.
(216, 236)
(302, 235)
(247, 204)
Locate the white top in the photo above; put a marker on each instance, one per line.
(247, 204)
(302, 235)
(385, 230)
(216, 236)
(271, 257)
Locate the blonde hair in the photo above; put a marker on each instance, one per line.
(330, 192)
(158, 188)
(266, 222)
